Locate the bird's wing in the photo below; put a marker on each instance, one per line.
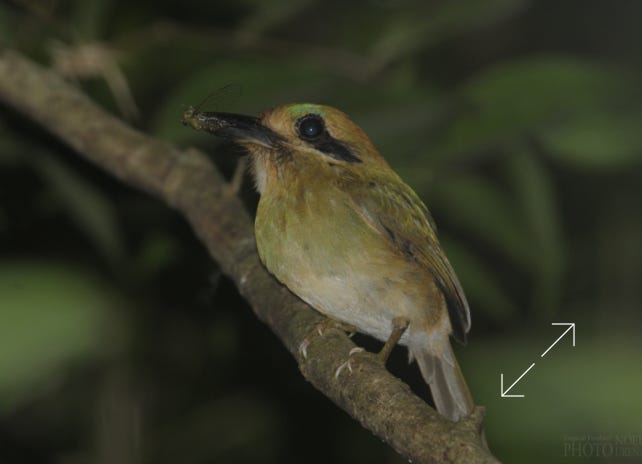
(395, 211)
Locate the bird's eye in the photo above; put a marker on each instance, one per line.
(310, 126)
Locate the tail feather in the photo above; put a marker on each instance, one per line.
(447, 385)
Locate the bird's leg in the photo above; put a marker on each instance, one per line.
(399, 326)
(322, 327)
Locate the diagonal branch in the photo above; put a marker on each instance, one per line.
(188, 182)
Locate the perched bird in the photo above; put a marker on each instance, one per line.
(341, 230)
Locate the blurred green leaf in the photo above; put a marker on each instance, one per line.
(267, 14)
(411, 30)
(542, 96)
(476, 205)
(87, 206)
(479, 281)
(51, 316)
(598, 139)
(534, 195)
(400, 128)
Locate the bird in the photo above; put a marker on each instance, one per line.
(340, 229)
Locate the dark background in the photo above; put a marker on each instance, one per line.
(519, 124)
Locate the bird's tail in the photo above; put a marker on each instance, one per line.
(447, 385)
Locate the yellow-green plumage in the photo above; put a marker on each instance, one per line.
(341, 230)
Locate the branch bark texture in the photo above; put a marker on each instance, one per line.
(188, 182)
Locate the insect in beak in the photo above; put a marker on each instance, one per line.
(233, 126)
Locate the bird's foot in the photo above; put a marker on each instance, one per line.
(399, 326)
(320, 329)
(348, 363)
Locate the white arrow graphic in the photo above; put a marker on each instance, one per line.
(571, 326)
(504, 393)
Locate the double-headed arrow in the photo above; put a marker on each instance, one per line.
(504, 393)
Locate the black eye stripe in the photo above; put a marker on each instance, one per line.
(335, 149)
(311, 128)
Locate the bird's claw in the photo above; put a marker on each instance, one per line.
(320, 329)
(303, 347)
(347, 364)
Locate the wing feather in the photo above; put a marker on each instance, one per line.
(395, 211)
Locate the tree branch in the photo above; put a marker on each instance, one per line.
(188, 182)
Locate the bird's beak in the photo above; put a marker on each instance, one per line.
(237, 127)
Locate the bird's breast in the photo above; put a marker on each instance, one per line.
(323, 251)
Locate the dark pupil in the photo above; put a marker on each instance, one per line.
(311, 127)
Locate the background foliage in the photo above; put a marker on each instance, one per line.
(517, 121)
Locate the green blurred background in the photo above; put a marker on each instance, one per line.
(518, 122)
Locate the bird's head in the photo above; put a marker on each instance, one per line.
(304, 138)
